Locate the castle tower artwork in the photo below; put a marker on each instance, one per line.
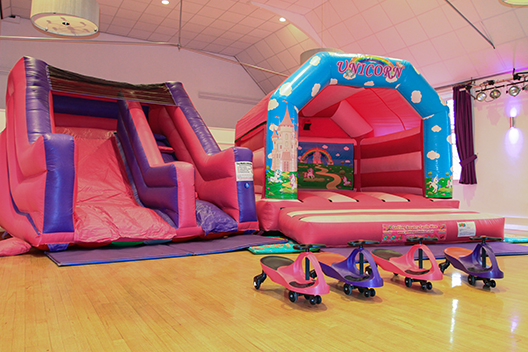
(284, 153)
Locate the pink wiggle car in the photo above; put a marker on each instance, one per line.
(405, 265)
(291, 275)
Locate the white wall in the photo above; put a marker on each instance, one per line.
(225, 137)
(2, 119)
(136, 63)
(502, 164)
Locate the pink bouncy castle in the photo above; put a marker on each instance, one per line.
(356, 147)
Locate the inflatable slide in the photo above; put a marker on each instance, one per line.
(356, 147)
(91, 162)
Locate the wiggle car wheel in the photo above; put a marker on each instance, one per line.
(347, 289)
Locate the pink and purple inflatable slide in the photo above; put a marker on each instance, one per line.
(88, 161)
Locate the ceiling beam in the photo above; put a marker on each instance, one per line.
(471, 24)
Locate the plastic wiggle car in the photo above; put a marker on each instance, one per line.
(405, 265)
(474, 263)
(346, 270)
(292, 276)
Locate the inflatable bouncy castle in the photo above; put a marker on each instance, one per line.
(88, 161)
(356, 147)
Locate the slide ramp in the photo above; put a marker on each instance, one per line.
(106, 208)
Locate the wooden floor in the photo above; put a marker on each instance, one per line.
(208, 303)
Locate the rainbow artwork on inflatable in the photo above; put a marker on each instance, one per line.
(318, 169)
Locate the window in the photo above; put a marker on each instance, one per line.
(457, 169)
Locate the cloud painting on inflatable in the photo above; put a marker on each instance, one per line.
(348, 74)
(416, 96)
(272, 104)
(315, 89)
(433, 155)
(315, 61)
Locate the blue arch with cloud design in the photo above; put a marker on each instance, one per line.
(357, 70)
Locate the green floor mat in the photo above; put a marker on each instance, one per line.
(515, 239)
(275, 248)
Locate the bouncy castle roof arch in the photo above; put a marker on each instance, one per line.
(367, 96)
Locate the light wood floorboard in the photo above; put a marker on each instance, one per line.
(208, 303)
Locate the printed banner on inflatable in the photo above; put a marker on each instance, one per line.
(400, 232)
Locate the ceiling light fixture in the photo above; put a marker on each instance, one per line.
(516, 2)
(514, 91)
(481, 96)
(495, 93)
(165, 2)
(75, 18)
(282, 19)
(512, 86)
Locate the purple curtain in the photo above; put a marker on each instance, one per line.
(464, 134)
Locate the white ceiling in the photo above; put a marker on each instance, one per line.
(430, 34)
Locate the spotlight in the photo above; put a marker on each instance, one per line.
(495, 93)
(514, 91)
(481, 96)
